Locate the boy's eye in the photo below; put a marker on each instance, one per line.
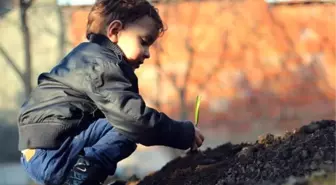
(144, 42)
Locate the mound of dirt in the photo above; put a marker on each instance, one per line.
(270, 160)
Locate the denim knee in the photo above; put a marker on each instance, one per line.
(127, 147)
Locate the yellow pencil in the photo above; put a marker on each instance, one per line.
(197, 107)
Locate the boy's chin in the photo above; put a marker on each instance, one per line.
(135, 67)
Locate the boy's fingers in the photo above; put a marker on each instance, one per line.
(199, 141)
(202, 137)
(199, 134)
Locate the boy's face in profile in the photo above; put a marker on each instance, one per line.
(134, 38)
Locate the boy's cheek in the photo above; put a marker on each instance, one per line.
(134, 54)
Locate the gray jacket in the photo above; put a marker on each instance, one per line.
(94, 81)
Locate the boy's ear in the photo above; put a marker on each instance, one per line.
(113, 30)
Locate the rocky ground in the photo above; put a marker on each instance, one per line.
(292, 158)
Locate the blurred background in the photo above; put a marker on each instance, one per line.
(261, 66)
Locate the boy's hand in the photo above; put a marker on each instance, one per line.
(198, 141)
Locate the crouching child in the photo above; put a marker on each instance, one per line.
(86, 113)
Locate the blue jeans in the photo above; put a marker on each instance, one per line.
(100, 142)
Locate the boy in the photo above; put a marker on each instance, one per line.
(86, 114)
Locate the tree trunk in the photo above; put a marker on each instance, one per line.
(61, 39)
(183, 104)
(24, 6)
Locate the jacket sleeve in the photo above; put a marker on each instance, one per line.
(114, 94)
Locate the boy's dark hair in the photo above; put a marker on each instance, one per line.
(104, 12)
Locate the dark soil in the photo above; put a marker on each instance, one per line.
(270, 160)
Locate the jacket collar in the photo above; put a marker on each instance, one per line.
(102, 40)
